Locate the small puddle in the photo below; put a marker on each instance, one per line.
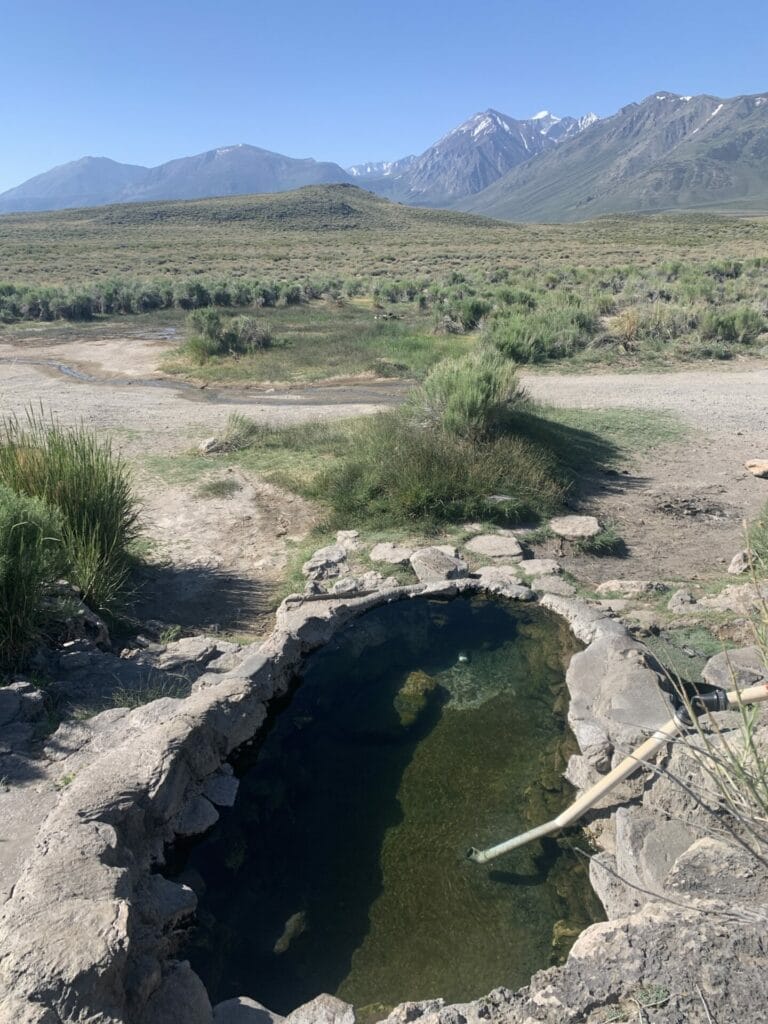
(424, 728)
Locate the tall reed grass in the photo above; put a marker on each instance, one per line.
(76, 474)
(31, 558)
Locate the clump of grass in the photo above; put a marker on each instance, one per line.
(226, 488)
(239, 434)
(150, 689)
(402, 472)
(757, 542)
(607, 542)
(76, 474)
(452, 453)
(31, 558)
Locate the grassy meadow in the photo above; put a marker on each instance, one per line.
(334, 280)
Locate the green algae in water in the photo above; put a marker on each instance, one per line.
(426, 727)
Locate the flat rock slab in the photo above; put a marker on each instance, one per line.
(575, 527)
(391, 553)
(758, 467)
(540, 567)
(742, 599)
(493, 545)
(631, 588)
(553, 585)
(437, 563)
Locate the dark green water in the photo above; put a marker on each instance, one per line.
(425, 728)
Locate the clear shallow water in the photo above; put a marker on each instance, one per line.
(425, 728)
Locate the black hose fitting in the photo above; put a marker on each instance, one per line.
(715, 700)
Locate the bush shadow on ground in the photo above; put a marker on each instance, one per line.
(200, 597)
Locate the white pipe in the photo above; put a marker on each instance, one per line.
(587, 800)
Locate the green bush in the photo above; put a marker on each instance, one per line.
(72, 471)
(217, 335)
(31, 558)
(470, 397)
(545, 333)
(402, 472)
(471, 311)
(741, 324)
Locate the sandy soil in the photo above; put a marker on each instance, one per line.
(679, 508)
(216, 561)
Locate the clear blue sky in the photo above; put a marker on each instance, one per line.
(144, 82)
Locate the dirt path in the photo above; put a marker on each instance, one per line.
(679, 508)
(216, 560)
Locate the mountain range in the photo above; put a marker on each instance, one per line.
(667, 152)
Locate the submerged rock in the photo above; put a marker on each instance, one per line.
(412, 697)
(295, 926)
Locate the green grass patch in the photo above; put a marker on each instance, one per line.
(31, 558)
(320, 340)
(76, 474)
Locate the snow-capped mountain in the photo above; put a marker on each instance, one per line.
(668, 152)
(470, 157)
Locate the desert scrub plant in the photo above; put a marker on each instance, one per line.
(31, 558)
(548, 332)
(402, 472)
(214, 334)
(470, 397)
(78, 475)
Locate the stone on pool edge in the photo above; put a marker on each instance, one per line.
(575, 527)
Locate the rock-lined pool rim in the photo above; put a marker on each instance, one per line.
(88, 933)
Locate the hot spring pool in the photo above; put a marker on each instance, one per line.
(425, 727)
